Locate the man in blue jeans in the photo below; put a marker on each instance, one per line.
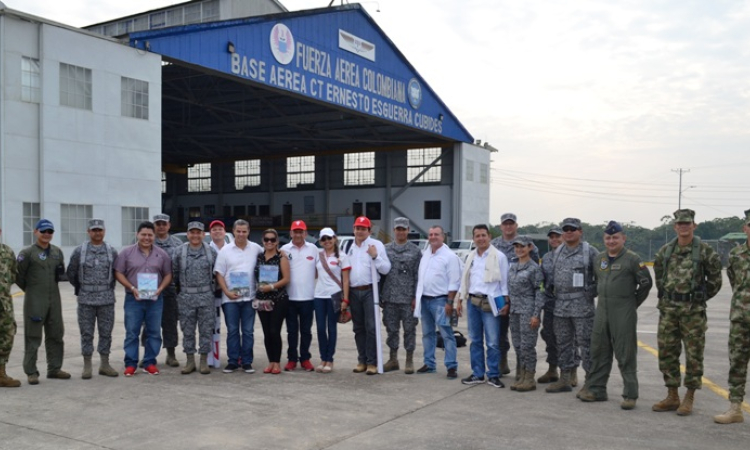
(437, 283)
(483, 282)
(135, 268)
(235, 274)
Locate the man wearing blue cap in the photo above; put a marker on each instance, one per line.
(623, 283)
(40, 267)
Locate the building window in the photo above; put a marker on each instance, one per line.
(194, 212)
(264, 210)
(469, 170)
(246, 173)
(373, 210)
(432, 210)
(252, 210)
(199, 178)
(357, 209)
(192, 13)
(134, 98)
(131, 218)
(418, 159)
(30, 80)
(483, 173)
(75, 86)
(158, 20)
(359, 169)
(240, 210)
(211, 11)
(74, 220)
(163, 182)
(31, 216)
(209, 210)
(300, 170)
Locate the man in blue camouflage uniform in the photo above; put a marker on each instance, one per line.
(554, 239)
(91, 272)
(688, 274)
(7, 319)
(192, 268)
(170, 314)
(574, 287)
(509, 227)
(397, 298)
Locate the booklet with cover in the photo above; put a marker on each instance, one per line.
(268, 274)
(148, 283)
(239, 283)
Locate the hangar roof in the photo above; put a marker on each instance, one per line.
(319, 81)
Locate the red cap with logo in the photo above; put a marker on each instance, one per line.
(298, 225)
(216, 223)
(362, 221)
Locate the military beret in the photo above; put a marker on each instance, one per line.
(613, 228)
(684, 215)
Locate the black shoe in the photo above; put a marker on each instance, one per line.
(229, 368)
(471, 379)
(452, 373)
(495, 381)
(248, 368)
(425, 369)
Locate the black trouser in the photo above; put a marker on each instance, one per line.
(363, 322)
(271, 322)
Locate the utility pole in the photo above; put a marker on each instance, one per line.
(680, 171)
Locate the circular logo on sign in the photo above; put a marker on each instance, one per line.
(415, 93)
(282, 43)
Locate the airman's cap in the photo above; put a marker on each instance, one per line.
(44, 225)
(613, 228)
(161, 218)
(554, 230)
(196, 225)
(747, 216)
(684, 215)
(571, 222)
(96, 224)
(522, 240)
(401, 222)
(508, 216)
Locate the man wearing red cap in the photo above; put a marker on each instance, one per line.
(303, 256)
(364, 252)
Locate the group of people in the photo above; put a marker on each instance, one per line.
(502, 286)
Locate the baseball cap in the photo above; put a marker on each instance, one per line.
(96, 224)
(684, 215)
(217, 223)
(298, 225)
(508, 216)
(521, 239)
(362, 221)
(44, 225)
(401, 222)
(161, 218)
(195, 225)
(554, 230)
(326, 232)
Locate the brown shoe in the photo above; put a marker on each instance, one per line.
(33, 379)
(686, 407)
(59, 374)
(360, 368)
(670, 403)
(372, 369)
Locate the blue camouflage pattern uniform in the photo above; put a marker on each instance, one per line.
(7, 318)
(195, 297)
(399, 289)
(548, 318)
(525, 287)
(95, 288)
(170, 312)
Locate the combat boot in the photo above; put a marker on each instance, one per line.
(520, 370)
(6, 381)
(104, 367)
(392, 363)
(550, 376)
(204, 364)
(527, 382)
(86, 375)
(561, 385)
(733, 415)
(189, 364)
(504, 368)
(409, 366)
(686, 407)
(172, 358)
(671, 403)
(574, 377)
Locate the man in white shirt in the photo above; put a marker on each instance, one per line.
(303, 256)
(235, 273)
(483, 282)
(364, 252)
(439, 277)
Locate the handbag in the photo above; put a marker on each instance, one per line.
(460, 339)
(345, 316)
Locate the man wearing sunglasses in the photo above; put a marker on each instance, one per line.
(40, 267)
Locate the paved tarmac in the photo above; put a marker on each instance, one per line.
(343, 410)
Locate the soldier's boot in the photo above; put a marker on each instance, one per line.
(409, 366)
(5, 380)
(104, 367)
(172, 358)
(504, 368)
(204, 369)
(189, 365)
(733, 415)
(527, 383)
(574, 377)
(520, 370)
(686, 407)
(392, 363)
(86, 375)
(670, 403)
(561, 385)
(550, 376)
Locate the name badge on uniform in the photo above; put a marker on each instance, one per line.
(578, 280)
(616, 266)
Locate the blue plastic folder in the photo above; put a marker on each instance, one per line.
(500, 302)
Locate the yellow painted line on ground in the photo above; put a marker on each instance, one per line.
(720, 391)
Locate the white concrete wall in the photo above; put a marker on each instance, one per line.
(472, 198)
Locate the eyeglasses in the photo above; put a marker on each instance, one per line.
(265, 239)
(325, 238)
(47, 231)
(569, 229)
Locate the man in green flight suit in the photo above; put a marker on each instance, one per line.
(40, 267)
(688, 274)
(7, 319)
(623, 284)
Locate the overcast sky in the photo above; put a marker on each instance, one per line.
(591, 104)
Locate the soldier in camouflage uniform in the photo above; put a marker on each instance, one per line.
(509, 227)
(738, 272)
(170, 313)
(91, 272)
(7, 319)
(623, 283)
(192, 268)
(399, 290)
(688, 274)
(574, 287)
(554, 239)
(40, 267)
(525, 281)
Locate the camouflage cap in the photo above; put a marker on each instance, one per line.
(571, 222)
(161, 218)
(554, 230)
(613, 228)
(522, 240)
(684, 215)
(401, 222)
(96, 224)
(508, 216)
(196, 225)
(747, 216)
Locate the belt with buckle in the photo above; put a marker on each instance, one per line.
(482, 296)
(366, 287)
(674, 296)
(196, 290)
